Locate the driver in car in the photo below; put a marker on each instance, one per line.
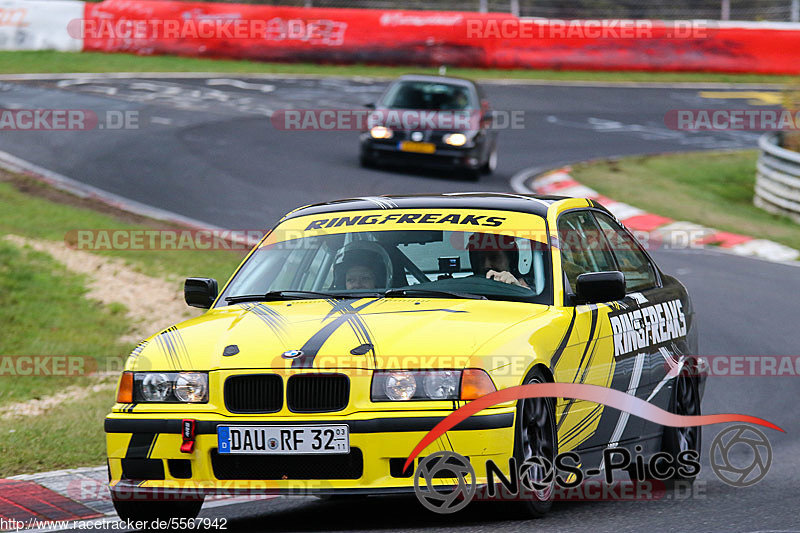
(360, 269)
(495, 257)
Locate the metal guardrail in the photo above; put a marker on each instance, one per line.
(777, 178)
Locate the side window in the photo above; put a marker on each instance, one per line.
(582, 246)
(639, 272)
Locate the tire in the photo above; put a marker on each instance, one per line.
(491, 162)
(685, 401)
(535, 434)
(674, 440)
(137, 510)
(366, 162)
(473, 174)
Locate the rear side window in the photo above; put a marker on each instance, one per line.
(631, 260)
(582, 246)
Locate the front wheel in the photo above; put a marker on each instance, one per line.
(136, 510)
(491, 162)
(535, 448)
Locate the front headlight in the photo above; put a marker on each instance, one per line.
(381, 132)
(400, 385)
(441, 385)
(170, 387)
(156, 387)
(428, 385)
(455, 139)
(191, 387)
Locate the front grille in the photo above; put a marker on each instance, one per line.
(254, 393)
(317, 393)
(339, 466)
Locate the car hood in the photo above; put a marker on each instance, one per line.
(364, 333)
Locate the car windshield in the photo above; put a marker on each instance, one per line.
(395, 263)
(428, 96)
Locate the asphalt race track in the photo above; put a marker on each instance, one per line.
(205, 148)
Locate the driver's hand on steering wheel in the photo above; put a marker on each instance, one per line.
(506, 277)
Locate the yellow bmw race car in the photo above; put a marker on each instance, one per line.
(354, 327)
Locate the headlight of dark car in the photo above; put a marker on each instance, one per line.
(381, 132)
(455, 139)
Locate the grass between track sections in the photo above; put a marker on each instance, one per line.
(714, 189)
(44, 311)
(73, 62)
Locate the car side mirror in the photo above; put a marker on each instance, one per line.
(598, 287)
(200, 292)
(370, 105)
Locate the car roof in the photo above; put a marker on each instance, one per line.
(524, 203)
(436, 79)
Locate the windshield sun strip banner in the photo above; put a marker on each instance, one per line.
(521, 225)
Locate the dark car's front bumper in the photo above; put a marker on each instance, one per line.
(445, 157)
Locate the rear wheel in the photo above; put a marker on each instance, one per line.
(536, 439)
(675, 440)
(685, 401)
(137, 510)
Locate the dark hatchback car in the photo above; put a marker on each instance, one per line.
(433, 122)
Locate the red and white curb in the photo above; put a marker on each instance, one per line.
(658, 231)
(37, 501)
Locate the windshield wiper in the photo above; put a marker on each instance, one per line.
(294, 295)
(432, 293)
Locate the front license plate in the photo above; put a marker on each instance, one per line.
(419, 148)
(283, 440)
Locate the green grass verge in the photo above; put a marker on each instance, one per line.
(44, 311)
(69, 62)
(69, 436)
(714, 189)
(32, 215)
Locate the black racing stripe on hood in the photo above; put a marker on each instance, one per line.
(312, 346)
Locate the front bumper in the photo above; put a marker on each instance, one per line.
(144, 454)
(445, 157)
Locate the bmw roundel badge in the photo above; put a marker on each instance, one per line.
(292, 354)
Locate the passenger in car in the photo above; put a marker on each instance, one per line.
(495, 257)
